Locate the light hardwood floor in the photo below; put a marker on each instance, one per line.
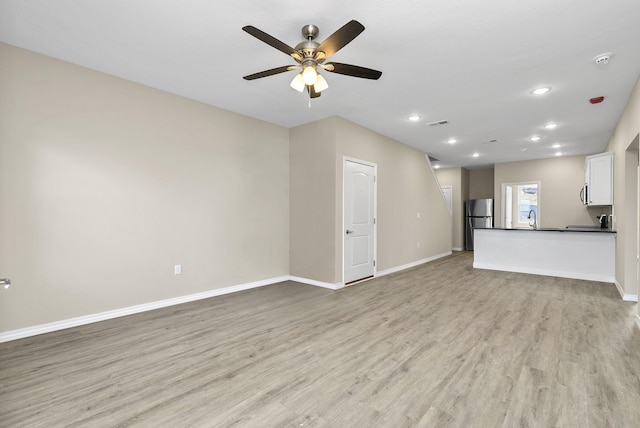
(440, 345)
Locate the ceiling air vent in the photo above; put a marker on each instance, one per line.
(438, 123)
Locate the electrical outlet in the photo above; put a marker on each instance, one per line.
(418, 244)
(177, 270)
(418, 215)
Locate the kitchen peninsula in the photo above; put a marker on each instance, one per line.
(580, 253)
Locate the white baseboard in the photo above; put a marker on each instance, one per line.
(545, 272)
(377, 274)
(130, 310)
(412, 264)
(625, 297)
(457, 249)
(317, 283)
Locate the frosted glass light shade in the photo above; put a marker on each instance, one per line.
(321, 84)
(298, 83)
(309, 75)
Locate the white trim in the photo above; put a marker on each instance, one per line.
(412, 264)
(130, 310)
(317, 283)
(457, 249)
(625, 297)
(545, 272)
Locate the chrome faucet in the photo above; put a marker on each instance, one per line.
(535, 224)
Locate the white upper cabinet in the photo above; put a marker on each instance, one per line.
(599, 179)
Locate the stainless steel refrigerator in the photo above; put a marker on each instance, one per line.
(478, 215)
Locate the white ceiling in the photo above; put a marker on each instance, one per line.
(469, 62)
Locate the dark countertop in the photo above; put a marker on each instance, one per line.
(588, 229)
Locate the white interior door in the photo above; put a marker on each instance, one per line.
(359, 221)
(447, 192)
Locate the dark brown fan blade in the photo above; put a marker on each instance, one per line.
(341, 38)
(270, 40)
(353, 70)
(312, 92)
(267, 73)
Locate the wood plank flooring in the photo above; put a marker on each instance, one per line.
(439, 345)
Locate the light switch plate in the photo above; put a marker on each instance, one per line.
(177, 270)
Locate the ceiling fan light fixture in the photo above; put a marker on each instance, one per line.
(298, 83)
(309, 75)
(321, 83)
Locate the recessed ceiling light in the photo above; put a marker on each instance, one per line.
(475, 155)
(414, 118)
(551, 125)
(556, 146)
(558, 153)
(452, 141)
(436, 166)
(535, 138)
(541, 91)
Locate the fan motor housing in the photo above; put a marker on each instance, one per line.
(307, 49)
(310, 31)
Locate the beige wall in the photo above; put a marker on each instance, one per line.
(458, 179)
(560, 182)
(624, 145)
(405, 186)
(313, 201)
(105, 185)
(481, 184)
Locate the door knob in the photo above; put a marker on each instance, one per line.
(5, 282)
(349, 232)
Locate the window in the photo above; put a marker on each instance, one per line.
(527, 201)
(518, 200)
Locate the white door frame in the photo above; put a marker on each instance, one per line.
(346, 159)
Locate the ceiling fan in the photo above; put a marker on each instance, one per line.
(311, 56)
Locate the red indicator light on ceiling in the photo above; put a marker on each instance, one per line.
(596, 100)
